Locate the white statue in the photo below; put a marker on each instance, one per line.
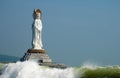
(37, 30)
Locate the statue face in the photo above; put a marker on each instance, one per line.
(37, 14)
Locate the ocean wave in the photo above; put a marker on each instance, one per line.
(30, 69)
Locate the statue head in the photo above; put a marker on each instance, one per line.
(37, 14)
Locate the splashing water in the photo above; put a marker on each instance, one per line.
(33, 70)
(29, 69)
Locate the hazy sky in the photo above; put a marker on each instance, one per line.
(74, 31)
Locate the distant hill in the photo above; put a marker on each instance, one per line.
(6, 58)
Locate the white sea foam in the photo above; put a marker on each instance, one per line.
(29, 69)
(89, 65)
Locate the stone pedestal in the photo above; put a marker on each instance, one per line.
(38, 55)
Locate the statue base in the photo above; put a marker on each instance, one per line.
(36, 51)
(40, 56)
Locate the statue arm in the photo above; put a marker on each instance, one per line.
(38, 25)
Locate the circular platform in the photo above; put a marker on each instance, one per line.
(36, 51)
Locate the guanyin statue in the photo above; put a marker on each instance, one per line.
(37, 30)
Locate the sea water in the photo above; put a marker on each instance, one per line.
(30, 69)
